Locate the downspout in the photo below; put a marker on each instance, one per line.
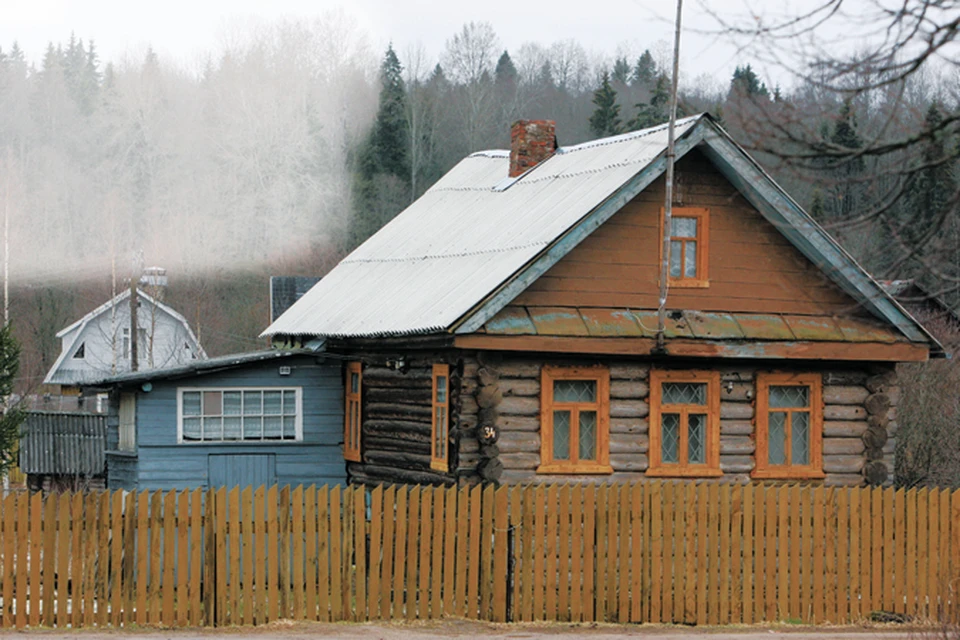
(660, 348)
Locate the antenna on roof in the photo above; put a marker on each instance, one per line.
(668, 198)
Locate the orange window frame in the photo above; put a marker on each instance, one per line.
(682, 469)
(763, 469)
(601, 377)
(702, 215)
(440, 420)
(352, 427)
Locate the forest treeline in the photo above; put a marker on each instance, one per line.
(284, 150)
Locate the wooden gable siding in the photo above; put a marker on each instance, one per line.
(752, 267)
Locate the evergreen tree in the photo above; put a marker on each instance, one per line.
(847, 172)
(931, 188)
(12, 416)
(621, 71)
(605, 120)
(655, 112)
(645, 71)
(506, 72)
(746, 83)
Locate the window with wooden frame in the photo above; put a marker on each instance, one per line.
(351, 415)
(440, 430)
(574, 420)
(789, 426)
(689, 246)
(684, 423)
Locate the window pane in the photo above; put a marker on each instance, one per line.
(213, 428)
(231, 403)
(800, 437)
(354, 383)
(191, 428)
(272, 427)
(232, 428)
(191, 403)
(439, 434)
(690, 261)
(684, 393)
(252, 428)
(211, 403)
(561, 435)
(271, 403)
(676, 256)
(289, 428)
(289, 403)
(251, 403)
(574, 391)
(587, 439)
(777, 438)
(793, 397)
(681, 227)
(441, 388)
(670, 437)
(696, 438)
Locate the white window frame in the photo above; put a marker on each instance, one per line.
(298, 422)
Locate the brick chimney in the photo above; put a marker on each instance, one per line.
(531, 142)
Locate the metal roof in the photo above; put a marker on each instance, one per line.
(463, 238)
(63, 443)
(467, 247)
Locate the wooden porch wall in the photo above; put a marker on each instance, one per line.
(649, 552)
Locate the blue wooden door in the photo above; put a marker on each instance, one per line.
(242, 469)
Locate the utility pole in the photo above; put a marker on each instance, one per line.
(134, 299)
(668, 198)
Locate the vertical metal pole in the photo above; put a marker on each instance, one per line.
(668, 197)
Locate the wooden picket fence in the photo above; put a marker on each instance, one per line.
(672, 552)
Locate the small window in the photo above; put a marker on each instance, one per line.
(351, 419)
(684, 423)
(128, 422)
(689, 240)
(126, 342)
(789, 426)
(81, 351)
(575, 412)
(240, 414)
(439, 450)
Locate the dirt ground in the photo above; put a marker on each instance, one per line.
(487, 631)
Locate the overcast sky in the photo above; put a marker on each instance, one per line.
(185, 30)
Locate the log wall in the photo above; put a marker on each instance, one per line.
(859, 424)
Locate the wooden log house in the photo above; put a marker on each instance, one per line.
(504, 327)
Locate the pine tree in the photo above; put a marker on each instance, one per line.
(621, 71)
(12, 416)
(605, 120)
(931, 188)
(746, 83)
(505, 74)
(655, 112)
(848, 191)
(645, 71)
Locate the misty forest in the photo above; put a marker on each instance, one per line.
(287, 147)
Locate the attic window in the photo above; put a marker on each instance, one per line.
(80, 353)
(689, 240)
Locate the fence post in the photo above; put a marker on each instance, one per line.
(209, 559)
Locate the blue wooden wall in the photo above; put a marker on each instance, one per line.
(162, 463)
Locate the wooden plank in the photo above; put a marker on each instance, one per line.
(678, 532)
(888, 601)
(954, 548)
(770, 556)
(923, 554)
(473, 554)
(876, 564)
(501, 522)
(154, 529)
(656, 551)
(588, 604)
(283, 559)
(933, 554)
(637, 546)
(724, 550)
(760, 584)
(196, 557)
(737, 527)
(946, 595)
(426, 542)
(576, 553)
(78, 554)
(900, 551)
(539, 513)
(664, 535)
(524, 599)
(273, 560)
(462, 554)
(613, 514)
(486, 554)
(298, 559)
(843, 569)
(564, 531)
(168, 586)
(830, 558)
(413, 537)
(103, 561)
(854, 554)
(63, 561)
(311, 585)
(375, 563)
(712, 551)
(259, 544)
(818, 551)
(249, 537)
(689, 550)
(220, 556)
(23, 553)
(450, 558)
(866, 533)
(337, 568)
(10, 545)
(702, 544)
(551, 585)
(49, 559)
(129, 557)
(748, 559)
(327, 563)
(436, 561)
(783, 554)
(399, 556)
(795, 611)
(233, 560)
(36, 564)
(183, 557)
(347, 568)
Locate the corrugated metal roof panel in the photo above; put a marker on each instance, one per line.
(462, 239)
(63, 443)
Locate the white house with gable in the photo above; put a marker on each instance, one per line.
(99, 344)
